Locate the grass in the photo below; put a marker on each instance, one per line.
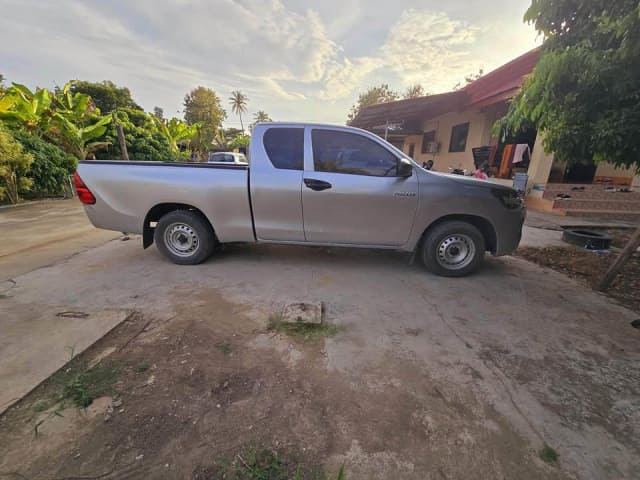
(548, 455)
(143, 366)
(84, 385)
(224, 347)
(305, 331)
(266, 464)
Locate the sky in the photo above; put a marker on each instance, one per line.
(298, 60)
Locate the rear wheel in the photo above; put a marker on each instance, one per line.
(184, 237)
(453, 249)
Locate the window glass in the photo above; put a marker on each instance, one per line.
(285, 147)
(458, 141)
(427, 138)
(344, 152)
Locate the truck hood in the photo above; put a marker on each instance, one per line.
(473, 182)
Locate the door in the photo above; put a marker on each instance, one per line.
(352, 194)
(276, 180)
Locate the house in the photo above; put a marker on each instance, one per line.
(455, 128)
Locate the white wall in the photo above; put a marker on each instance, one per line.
(480, 125)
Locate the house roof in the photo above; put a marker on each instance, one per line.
(496, 86)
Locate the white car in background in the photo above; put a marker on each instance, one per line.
(227, 157)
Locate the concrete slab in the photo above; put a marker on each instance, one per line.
(541, 237)
(302, 312)
(36, 340)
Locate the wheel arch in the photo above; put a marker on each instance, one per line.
(158, 211)
(485, 226)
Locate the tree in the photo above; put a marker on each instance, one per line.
(81, 141)
(158, 112)
(584, 92)
(177, 132)
(2, 87)
(472, 77)
(143, 138)
(202, 106)
(14, 165)
(51, 166)
(106, 95)
(238, 102)
(372, 96)
(415, 91)
(261, 116)
(22, 108)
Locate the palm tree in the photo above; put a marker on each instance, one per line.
(238, 102)
(261, 116)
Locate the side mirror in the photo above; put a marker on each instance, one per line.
(405, 168)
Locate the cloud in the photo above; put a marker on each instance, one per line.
(294, 57)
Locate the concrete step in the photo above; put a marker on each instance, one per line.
(588, 186)
(629, 216)
(614, 204)
(594, 195)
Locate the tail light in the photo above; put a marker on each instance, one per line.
(84, 194)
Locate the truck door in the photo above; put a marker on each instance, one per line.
(352, 193)
(276, 167)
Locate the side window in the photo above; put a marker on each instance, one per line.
(458, 141)
(285, 147)
(344, 152)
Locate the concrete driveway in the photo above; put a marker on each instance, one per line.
(517, 356)
(41, 233)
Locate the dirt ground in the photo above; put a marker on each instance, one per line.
(425, 377)
(589, 267)
(183, 407)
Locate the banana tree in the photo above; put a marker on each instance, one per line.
(77, 107)
(77, 140)
(19, 106)
(176, 131)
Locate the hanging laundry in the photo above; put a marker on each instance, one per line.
(522, 153)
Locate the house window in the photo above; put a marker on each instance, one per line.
(412, 149)
(459, 134)
(427, 138)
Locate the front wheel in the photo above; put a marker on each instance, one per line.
(184, 237)
(453, 249)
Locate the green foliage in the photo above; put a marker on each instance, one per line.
(202, 106)
(51, 167)
(22, 108)
(90, 383)
(263, 464)
(584, 93)
(240, 141)
(304, 331)
(78, 140)
(261, 116)
(177, 132)
(158, 112)
(372, 96)
(2, 87)
(106, 95)
(238, 102)
(144, 140)
(14, 165)
(548, 455)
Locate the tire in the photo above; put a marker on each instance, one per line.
(453, 249)
(184, 237)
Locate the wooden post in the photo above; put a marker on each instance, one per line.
(124, 155)
(386, 130)
(619, 262)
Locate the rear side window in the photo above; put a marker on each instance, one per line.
(285, 147)
(344, 152)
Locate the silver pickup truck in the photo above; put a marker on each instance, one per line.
(306, 184)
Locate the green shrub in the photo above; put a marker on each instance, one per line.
(51, 167)
(14, 165)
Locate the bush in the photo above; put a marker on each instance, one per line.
(14, 165)
(144, 141)
(51, 167)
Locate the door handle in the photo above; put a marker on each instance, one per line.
(317, 185)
